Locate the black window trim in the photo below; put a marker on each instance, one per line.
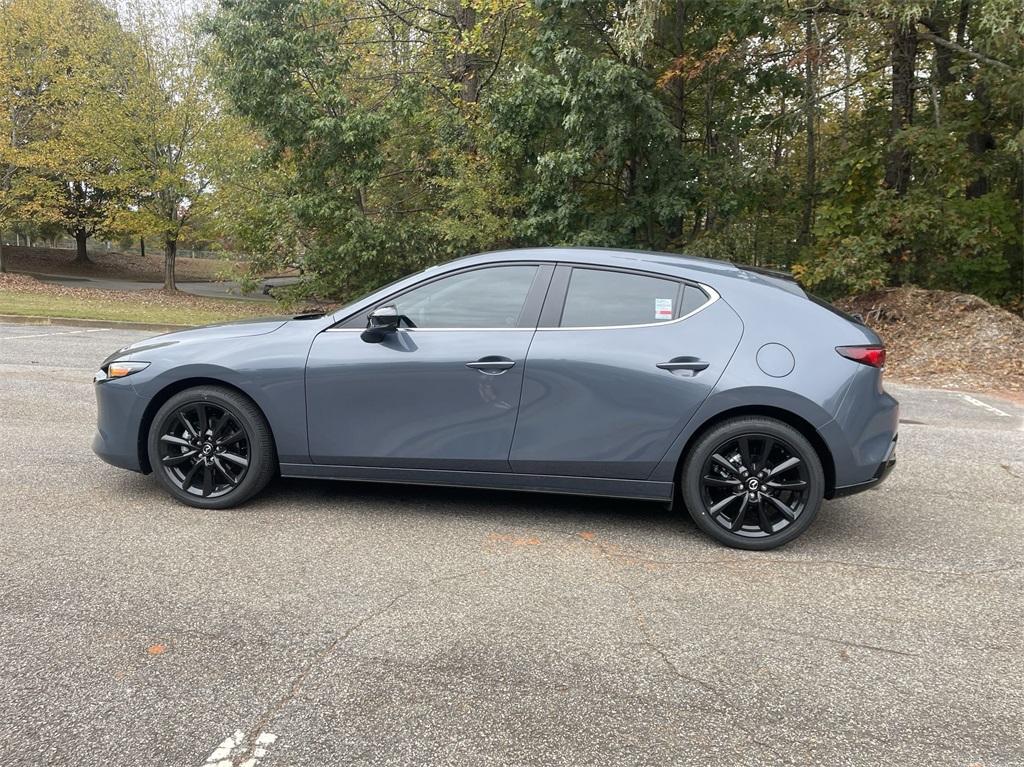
(551, 314)
(528, 316)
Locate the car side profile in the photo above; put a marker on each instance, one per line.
(567, 370)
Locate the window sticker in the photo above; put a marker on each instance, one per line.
(662, 308)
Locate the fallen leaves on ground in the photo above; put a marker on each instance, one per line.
(118, 266)
(945, 339)
(154, 298)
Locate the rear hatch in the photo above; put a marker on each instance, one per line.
(788, 283)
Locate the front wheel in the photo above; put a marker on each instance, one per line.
(211, 447)
(753, 483)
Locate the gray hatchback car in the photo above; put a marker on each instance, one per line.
(560, 370)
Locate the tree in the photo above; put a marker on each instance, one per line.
(860, 143)
(68, 69)
(910, 201)
(376, 108)
(185, 135)
(11, 127)
(19, 112)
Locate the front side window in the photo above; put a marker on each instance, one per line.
(598, 298)
(482, 298)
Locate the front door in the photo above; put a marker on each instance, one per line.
(443, 394)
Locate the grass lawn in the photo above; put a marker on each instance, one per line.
(139, 306)
(122, 266)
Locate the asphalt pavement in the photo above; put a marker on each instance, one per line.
(356, 624)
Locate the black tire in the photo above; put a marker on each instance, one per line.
(725, 498)
(181, 460)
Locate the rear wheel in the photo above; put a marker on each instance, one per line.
(753, 483)
(211, 447)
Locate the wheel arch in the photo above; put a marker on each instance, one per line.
(168, 391)
(788, 417)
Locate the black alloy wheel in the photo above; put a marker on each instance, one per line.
(753, 483)
(211, 447)
(204, 449)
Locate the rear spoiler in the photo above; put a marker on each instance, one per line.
(782, 280)
(776, 273)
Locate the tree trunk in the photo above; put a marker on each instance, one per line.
(980, 141)
(961, 24)
(81, 252)
(142, 246)
(844, 141)
(677, 90)
(3, 266)
(170, 253)
(810, 116)
(467, 65)
(901, 115)
(777, 137)
(943, 55)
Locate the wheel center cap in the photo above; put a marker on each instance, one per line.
(753, 484)
(207, 448)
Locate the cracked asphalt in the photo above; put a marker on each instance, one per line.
(356, 624)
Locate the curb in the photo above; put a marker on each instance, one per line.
(20, 319)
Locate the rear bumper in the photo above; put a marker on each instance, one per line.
(883, 471)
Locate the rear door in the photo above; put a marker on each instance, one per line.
(621, 362)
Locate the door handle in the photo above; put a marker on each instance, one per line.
(692, 364)
(491, 366)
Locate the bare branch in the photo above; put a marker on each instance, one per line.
(976, 55)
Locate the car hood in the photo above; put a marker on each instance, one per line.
(223, 331)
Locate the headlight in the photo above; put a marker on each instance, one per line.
(118, 370)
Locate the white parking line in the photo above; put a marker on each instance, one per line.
(61, 333)
(233, 747)
(985, 405)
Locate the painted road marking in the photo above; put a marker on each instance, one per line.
(221, 756)
(234, 747)
(62, 333)
(985, 405)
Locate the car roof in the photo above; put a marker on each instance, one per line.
(666, 263)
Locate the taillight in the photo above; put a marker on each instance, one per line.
(866, 355)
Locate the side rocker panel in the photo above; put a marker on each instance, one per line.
(537, 483)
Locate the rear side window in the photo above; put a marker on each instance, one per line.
(598, 298)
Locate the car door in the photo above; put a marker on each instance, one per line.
(441, 395)
(620, 363)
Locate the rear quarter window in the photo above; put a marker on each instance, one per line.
(601, 298)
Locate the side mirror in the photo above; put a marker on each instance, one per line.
(382, 322)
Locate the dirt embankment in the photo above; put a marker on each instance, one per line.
(943, 339)
(118, 266)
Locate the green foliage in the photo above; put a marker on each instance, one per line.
(384, 171)
(859, 143)
(109, 124)
(959, 224)
(600, 163)
(65, 70)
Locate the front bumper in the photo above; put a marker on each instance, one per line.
(883, 471)
(119, 412)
